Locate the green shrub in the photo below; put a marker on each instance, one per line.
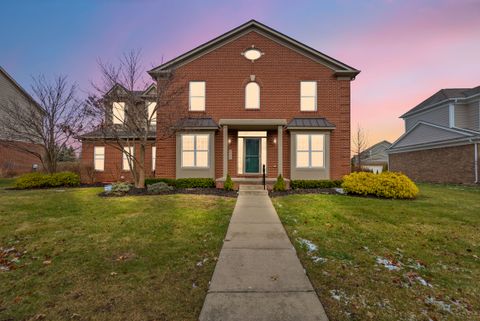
(228, 185)
(159, 188)
(280, 185)
(305, 184)
(120, 188)
(37, 180)
(169, 181)
(183, 182)
(385, 184)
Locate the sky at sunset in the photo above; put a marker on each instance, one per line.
(406, 50)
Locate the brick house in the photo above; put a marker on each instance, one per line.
(374, 158)
(441, 138)
(254, 98)
(14, 156)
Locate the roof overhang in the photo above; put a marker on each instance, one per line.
(245, 124)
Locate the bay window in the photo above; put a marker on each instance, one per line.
(195, 150)
(310, 150)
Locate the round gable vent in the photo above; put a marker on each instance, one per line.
(252, 54)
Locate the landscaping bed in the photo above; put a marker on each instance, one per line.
(194, 191)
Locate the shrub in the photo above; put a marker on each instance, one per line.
(168, 181)
(159, 187)
(279, 185)
(228, 185)
(184, 182)
(386, 184)
(120, 188)
(37, 180)
(304, 184)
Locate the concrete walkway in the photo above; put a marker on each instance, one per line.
(258, 275)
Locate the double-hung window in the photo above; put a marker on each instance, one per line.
(118, 112)
(197, 95)
(127, 155)
(310, 150)
(152, 114)
(195, 150)
(154, 157)
(99, 158)
(308, 96)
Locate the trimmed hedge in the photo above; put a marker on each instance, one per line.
(37, 180)
(183, 182)
(306, 184)
(385, 184)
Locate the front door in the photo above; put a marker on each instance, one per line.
(252, 155)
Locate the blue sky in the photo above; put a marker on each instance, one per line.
(407, 50)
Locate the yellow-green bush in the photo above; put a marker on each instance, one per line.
(385, 184)
(38, 180)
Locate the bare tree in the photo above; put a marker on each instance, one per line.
(359, 144)
(51, 123)
(132, 130)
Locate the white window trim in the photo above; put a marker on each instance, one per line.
(258, 96)
(154, 157)
(309, 151)
(195, 150)
(315, 97)
(190, 95)
(124, 157)
(118, 120)
(98, 156)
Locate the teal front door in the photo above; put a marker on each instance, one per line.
(252, 155)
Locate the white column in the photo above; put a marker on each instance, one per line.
(225, 151)
(280, 149)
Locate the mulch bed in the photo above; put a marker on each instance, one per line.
(328, 191)
(195, 191)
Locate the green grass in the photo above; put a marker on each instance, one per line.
(440, 230)
(7, 182)
(130, 258)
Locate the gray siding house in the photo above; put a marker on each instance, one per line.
(441, 138)
(374, 158)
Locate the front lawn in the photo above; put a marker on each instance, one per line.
(7, 182)
(390, 259)
(74, 255)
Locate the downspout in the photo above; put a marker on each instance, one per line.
(476, 162)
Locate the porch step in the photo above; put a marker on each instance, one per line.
(249, 187)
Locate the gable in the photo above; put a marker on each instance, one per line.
(340, 68)
(424, 133)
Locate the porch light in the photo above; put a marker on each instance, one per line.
(274, 140)
(229, 141)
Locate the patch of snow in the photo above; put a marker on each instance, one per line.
(339, 295)
(391, 266)
(422, 281)
(311, 247)
(439, 304)
(318, 259)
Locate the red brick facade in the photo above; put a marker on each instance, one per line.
(113, 171)
(438, 165)
(14, 161)
(226, 72)
(278, 72)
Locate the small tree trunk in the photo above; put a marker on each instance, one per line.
(140, 181)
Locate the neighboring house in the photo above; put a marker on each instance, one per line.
(374, 158)
(13, 159)
(441, 138)
(255, 97)
(101, 158)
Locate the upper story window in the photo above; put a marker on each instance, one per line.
(197, 96)
(310, 150)
(152, 112)
(308, 96)
(118, 112)
(154, 157)
(252, 96)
